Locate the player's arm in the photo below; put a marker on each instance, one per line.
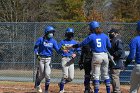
(132, 52)
(84, 42)
(36, 46)
(120, 50)
(81, 60)
(55, 46)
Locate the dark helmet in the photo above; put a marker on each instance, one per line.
(93, 25)
(138, 26)
(114, 30)
(49, 29)
(69, 30)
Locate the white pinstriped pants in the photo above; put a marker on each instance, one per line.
(44, 68)
(99, 66)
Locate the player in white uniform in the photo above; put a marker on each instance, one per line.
(67, 58)
(43, 49)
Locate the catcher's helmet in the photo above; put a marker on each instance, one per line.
(138, 26)
(49, 29)
(93, 25)
(69, 30)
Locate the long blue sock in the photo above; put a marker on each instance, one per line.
(47, 83)
(61, 86)
(96, 86)
(107, 82)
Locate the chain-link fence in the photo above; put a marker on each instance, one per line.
(17, 59)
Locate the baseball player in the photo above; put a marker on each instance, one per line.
(135, 53)
(118, 53)
(67, 58)
(85, 63)
(43, 49)
(99, 43)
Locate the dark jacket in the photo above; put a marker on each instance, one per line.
(86, 53)
(117, 51)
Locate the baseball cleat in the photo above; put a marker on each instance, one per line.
(62, 91)
(38, 89)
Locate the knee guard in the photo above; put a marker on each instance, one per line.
(96, 85)
(107, 82)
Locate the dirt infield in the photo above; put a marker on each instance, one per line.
(28, 87)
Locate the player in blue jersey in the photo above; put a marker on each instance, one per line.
(43, 49)
(67, 61)
(135, 53)
(99, 44)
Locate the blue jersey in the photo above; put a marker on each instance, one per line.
(98, 42)
(135, 49)
(44, 47)
(66, 42)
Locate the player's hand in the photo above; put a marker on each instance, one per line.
(73, 55)
(66, 51)
(81, 65)
(38, 57)
(69, 47)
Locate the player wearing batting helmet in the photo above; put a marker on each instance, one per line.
(43, 48)
(118, 53)
(68, 56)
(99, 43)
(135, 53)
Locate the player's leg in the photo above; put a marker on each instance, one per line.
(47, 73)
(104, 71)
(71, 72)
(87, 76)
(96, 63)
(135, 79)
(65, 73)
(41, 75)
(115, 73)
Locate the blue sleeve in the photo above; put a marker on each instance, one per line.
(78, 50)
(132, 49)
(60, 44)
(37, 45)
(85, 41)
(55, 46)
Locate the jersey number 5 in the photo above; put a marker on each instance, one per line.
(98, 41)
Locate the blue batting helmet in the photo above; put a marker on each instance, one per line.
(94, 24)
(69, 30)
(138, 26)
(49, 29)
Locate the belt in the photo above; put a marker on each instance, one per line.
(45, 56)
(67, 56)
